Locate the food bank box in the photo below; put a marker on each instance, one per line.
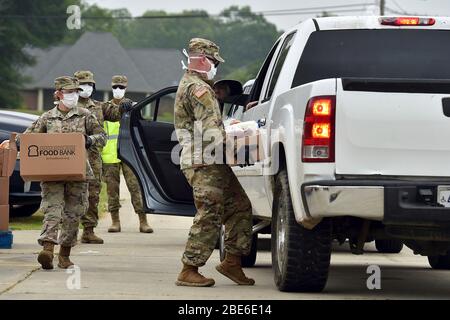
(52, 157)
(244, 144)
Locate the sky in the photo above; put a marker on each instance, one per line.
(365, 7)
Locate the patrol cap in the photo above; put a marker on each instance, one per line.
(206, 47)
(119, 81)
(67, 83)
(84, 76)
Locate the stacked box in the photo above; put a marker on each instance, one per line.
(8, 158)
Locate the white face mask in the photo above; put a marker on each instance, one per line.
(118, 93)
(87, 90)
(70, 100)
(211, 74)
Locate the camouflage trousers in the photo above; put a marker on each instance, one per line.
(90, 219)
(111, 176)
(62, 203)
(219, 199)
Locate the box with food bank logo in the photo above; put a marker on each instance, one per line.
(53, 157)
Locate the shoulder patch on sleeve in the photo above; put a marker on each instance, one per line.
(199, 92)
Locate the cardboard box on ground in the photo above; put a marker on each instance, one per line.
(244, 144)
(8, 157)
(53, 157)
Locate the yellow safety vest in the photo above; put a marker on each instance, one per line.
(109, 153)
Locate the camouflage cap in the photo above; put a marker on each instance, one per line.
(206, 47)
(119, 81)
(66, 83)
(84, 76)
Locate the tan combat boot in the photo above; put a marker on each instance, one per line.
(115, 227)
(90, 237)
(190, 277)
(63, 257)
(231, 268)
(45, 257)
(143, 225)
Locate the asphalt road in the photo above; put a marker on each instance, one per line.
(131, 265)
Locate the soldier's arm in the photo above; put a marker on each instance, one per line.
(111, 112)
(204, 105)
(95, 131)
(38, 126)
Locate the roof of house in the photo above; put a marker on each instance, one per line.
(148, 70)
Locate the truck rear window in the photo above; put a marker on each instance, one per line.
(385, 53)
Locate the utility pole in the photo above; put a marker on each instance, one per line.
(382, 7)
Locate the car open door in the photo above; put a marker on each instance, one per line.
(146, 144)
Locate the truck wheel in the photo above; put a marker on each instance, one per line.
(441, 262)
(389, 245)
(246, 261)
(300, 257)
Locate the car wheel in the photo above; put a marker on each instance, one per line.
(24, 210)
(441, 262)
(389, 245)
(246, 261)
(300, 257)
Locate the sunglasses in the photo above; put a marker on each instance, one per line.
(119, 87)
(214, 61)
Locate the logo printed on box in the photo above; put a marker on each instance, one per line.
(33, 151)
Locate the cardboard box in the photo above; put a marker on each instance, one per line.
(4, 217)
(53, 157)
(4, 190)
(8, 158)
(246, 150)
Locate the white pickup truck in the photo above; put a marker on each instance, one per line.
(356, 115)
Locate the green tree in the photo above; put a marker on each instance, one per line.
(26, 23)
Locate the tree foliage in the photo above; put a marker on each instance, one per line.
(25, 23)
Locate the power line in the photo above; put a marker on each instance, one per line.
(315, 8)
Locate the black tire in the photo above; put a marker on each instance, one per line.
(389, 245)
(300, 257)
(440, 262)
(246, 261)
(25, 210)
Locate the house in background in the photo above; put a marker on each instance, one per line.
(148, 70)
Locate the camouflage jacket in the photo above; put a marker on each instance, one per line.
(102, 111)
(76, 120)
(198, 118)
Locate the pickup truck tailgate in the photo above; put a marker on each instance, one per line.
(391, 133)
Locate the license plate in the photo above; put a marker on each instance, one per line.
(444, 196)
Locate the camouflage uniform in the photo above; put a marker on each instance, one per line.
(103, 112)
(218, 195)
(111, 173)
(66, 202)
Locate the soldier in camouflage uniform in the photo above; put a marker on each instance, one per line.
(218, 195)
(103, 112)
(112, 166)
(65, 202)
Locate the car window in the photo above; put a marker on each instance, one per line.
(379, 53)
(287, 44)
(257, 87)
(160, 110)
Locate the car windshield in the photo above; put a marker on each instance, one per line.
(384, 53)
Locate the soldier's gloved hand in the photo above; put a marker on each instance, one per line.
(88, 141)
(126, 105)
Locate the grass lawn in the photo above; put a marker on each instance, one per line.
(35, 221)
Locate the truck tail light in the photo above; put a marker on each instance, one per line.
(407, 21)
(319, 130)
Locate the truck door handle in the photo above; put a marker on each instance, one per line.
(446, 106)
(261, 122)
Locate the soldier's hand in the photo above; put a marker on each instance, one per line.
(126, 105)
(88, 141)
